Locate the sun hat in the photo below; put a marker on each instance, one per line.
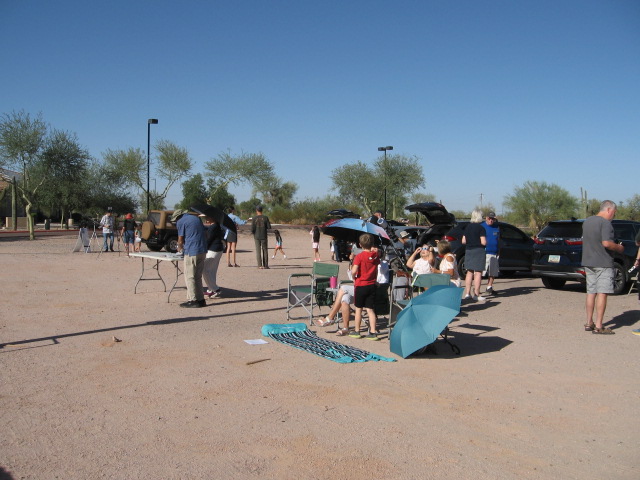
(177, 214)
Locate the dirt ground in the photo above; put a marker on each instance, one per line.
(532, 396)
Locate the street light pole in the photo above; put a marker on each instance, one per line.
(151, 121)
(384, 149)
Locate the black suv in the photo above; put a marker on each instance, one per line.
(557, 254)
(516, 247)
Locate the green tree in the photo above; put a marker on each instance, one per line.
(247, 208)
(22, 140)
(276, 192)
(537, 203)
(66, 164)
(193, 192)
(422, 197)
(129, 168)
(399, 175)
(226, 170)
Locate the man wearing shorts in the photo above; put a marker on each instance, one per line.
(597, 239)
(492, 251)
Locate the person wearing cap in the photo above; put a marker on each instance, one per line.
(492, 251)
(192, 241)
(378, 219)
(107, 222)
(406, 241)
(128, 232)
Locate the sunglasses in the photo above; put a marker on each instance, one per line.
(425, 248)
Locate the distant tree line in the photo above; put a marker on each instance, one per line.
(58, 177)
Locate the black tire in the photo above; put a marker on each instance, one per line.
(154, 248)
(620, 279)
(172, 245)
(461, 270)
(554, 283)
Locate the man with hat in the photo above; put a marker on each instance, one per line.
(492, 251)
(192, 241)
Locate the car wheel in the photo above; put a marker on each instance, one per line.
(619, 279)
(554, 283)
(461, 270)
(172, 245)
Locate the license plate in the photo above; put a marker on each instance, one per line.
(554, 258)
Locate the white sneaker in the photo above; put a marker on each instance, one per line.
(273, 256)
(480, 299)
(466, 297)
(285, 256)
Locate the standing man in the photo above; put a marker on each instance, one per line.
(259, 227)
(128, 233)
(108, 224)
(492, 251)
(597, 238)
(192, 241)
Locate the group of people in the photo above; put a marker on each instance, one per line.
(203, 246)
(130, 232)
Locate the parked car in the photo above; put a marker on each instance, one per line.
(159, 232)
(557, 253)
(516, 250)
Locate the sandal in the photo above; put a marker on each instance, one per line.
(342, 332)
(322, 322)
(589, 327)
(603, 331)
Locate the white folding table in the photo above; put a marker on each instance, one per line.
(156, 258)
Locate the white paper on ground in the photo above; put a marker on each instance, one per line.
(259, 341)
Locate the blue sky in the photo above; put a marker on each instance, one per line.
(488, 94)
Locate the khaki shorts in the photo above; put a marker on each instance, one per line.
(599, 280)
(491, 265)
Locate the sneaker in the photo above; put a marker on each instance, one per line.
(273, 256)
(480, 299)
(636, 331)
(372, 336)
(285, 256)
(216, 293)
(491, 291)
(355, 334)
(194, 304)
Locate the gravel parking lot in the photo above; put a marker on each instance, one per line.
(177, 395)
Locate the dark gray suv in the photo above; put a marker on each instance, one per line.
(557, 253)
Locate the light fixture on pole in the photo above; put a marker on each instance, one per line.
(151, 121)
(384, 149)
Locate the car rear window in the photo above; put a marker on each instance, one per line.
(562, 230)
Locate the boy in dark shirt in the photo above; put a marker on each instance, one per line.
(365, 272)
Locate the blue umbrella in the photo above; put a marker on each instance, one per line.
(422, 321)
(350, 229)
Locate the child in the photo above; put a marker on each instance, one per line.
(365, 272)
(448, 264)
(315, 242)
(137, 239)
(278, 244)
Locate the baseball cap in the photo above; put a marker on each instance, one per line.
(403, 234)
(491, 215)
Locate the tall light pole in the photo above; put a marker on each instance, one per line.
(151, 121)
(384, 149)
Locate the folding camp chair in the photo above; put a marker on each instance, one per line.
(420, 283)
(309, 290)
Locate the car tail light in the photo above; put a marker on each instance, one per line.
(449, 238)
(538, 241)
(573, 241)
(582, 272)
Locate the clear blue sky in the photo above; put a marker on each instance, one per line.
(488, 94)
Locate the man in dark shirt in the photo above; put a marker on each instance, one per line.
(597, 238)
(259, 227)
